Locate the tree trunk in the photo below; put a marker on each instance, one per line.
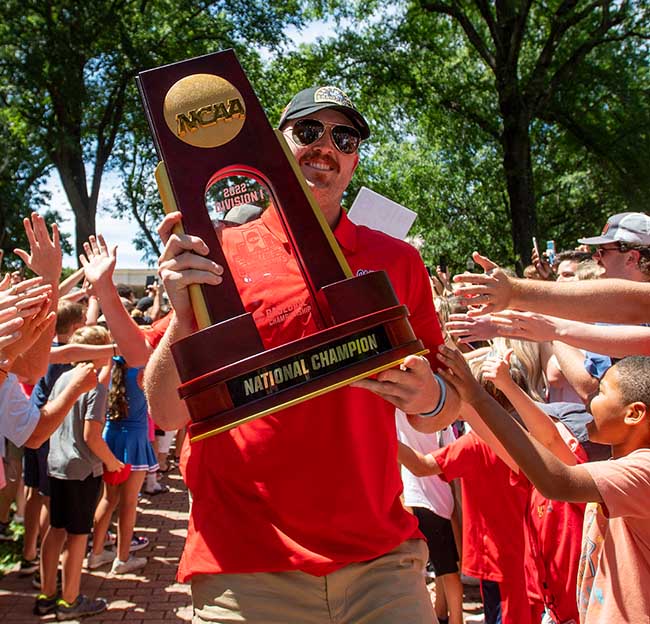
(83, 206)
(518, 170)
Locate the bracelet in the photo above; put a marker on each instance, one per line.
(441, 399)
(114, 350)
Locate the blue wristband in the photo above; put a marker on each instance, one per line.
(441, 399)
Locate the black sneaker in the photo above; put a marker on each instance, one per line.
(80, 607)
(27, 567)
(45, 605)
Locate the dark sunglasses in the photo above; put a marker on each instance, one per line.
(601, 250)
(307, 131)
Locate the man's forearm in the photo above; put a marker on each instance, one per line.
(604, 300)
(572, 365)
(447, 415)
(161, 381)
(614, 341)
(32, 365)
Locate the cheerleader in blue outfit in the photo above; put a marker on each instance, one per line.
(127, 435)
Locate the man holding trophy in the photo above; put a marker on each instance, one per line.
(296, 517)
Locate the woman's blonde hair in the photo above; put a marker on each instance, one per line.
(525, 368)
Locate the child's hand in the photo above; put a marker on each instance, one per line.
(458, 375)
(498, 371)
(85, 377)
(114, 465)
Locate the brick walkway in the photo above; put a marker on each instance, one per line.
(151, 596)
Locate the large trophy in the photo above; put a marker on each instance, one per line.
(223, 166)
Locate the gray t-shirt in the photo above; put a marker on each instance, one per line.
(70, 458)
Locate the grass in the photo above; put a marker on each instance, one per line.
(11, 551)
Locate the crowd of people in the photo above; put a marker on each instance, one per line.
(517, 451)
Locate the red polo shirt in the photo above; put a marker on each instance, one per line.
(493, 520)
(316, 486)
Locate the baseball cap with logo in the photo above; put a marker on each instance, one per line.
(311, 100)
(625, 227)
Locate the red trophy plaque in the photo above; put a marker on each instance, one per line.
(221, 158)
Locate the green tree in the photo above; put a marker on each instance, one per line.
(67, 71)
(20, 192)
(523, 114)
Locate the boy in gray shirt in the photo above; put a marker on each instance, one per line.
(77, 452)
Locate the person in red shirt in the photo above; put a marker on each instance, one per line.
(296, 517)
(493, 522)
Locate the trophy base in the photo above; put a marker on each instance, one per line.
(298, 371)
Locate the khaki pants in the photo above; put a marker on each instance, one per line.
(386, 590)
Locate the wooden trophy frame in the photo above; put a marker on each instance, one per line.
(207, 123)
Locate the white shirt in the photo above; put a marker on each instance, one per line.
(432, 493)
(18, 417)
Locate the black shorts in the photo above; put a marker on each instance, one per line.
(72, 504)
(35, 468)
(443, 553)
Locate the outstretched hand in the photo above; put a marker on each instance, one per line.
(84, 377)
(26, 296)
(489, 292)
(31, 330)
(10, 324)
(98, 262)
(458, 375)
(467, 328)
(527, 326)
(45, 256)
(498, 370)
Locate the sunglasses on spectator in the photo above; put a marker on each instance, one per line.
(346, 139)
(601, 250)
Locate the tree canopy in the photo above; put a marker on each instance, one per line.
(516, 116)
(494, 121)
(67, 71)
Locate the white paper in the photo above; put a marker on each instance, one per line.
(380, 213)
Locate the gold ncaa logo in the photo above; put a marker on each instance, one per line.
(204, 110)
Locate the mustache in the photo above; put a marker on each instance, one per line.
(326, 158)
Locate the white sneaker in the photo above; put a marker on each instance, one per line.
(96, 561)
(130, 565)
